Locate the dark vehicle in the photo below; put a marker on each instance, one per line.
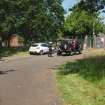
(68, 46)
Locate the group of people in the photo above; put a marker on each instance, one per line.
(65, 45)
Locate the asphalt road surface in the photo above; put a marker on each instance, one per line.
(30, 80)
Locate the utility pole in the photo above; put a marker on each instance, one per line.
(94, 36)
(93, 28)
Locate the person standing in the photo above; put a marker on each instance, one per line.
(50, 49)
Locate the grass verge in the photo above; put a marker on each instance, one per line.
(5, 52)
(82, 82)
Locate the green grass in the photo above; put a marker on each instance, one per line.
(83, 82)
(5, 52)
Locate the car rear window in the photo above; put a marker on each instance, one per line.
(34, 45)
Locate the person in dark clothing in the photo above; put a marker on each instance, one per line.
(50, 50)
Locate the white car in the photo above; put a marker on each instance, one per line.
(39, 48)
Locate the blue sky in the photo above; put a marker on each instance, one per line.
(69, 3)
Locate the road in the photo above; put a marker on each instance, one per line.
(30, 80)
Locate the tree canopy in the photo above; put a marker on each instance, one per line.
(33, 19)
(84, 18)
(90, 5)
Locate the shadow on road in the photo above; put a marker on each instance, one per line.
(54, 67)
(2, 59)
(6, 72)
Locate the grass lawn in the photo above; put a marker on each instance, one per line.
(5, 52)
(82, 82)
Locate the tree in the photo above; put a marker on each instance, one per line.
(41, 18)
(7, 19)
(32, 19)
(81, 23)
(84, 18)
(90, 5)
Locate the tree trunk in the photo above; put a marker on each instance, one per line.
(0, 42)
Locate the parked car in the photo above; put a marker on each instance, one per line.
(39, 48)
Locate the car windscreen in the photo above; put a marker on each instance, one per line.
(44, 45)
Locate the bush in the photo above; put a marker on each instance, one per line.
(11, 51)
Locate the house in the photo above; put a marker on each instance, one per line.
(16, 41)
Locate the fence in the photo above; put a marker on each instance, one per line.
(92, 42)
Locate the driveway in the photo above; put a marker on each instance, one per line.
(30, 80)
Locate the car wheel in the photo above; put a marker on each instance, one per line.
(41, 52)
(69, 53)
(59, 53)
(80, 52)
(31, 53)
